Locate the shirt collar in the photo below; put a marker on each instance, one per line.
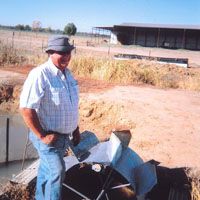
(52, 67)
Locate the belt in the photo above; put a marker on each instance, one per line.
(70, 135)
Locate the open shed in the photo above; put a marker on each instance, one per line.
(157, 35)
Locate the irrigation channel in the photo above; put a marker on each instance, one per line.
(11, 169)
(13, 134)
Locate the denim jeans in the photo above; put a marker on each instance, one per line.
(51, 171)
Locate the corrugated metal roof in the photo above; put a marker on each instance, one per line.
(105, 27)
(147, 25)
(173, 26)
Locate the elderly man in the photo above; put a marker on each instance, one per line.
(49, 106)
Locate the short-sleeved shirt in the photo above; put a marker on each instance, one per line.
(54, 95)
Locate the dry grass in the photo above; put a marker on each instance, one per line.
(113, 71)
(100, 67)
(194, 174)
(10, 56)
(136, 72)
(15, 192)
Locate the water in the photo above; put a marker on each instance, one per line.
(8, 171)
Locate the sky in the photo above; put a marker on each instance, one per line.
(86, 14)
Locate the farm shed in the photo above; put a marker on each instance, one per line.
(157, 35)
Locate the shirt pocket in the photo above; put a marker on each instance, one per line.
(74, 90)
(58, 95)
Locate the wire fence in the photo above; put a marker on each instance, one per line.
(22, 40)
(37, 41)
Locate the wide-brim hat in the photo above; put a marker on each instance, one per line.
(59, 43)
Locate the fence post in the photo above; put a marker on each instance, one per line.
(42, 45)
(13, 39)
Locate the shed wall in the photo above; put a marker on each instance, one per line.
(159, 37)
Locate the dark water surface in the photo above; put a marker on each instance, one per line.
(8, 171)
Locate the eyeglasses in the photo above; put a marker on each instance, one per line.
(63, 53)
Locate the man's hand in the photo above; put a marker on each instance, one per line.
(49, 138)
(76, 136)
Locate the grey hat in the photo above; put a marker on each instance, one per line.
(59, 43)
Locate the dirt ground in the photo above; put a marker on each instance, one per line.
(164, 123)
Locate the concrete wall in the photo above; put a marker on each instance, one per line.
(17, 139)
(113, 38)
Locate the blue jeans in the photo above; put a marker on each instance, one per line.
(51, 171)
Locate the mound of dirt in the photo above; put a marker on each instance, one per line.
(164, 123)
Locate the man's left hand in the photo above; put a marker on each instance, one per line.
(76, 136)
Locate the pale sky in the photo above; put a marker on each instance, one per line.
(86, 14)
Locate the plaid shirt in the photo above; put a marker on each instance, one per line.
(54, 96)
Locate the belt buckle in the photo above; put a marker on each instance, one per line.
(71, 136)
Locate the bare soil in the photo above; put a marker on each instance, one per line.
(164, 123)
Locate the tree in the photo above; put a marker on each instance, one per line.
(19, 27)
(27, 28)
(36, 26)
(70, 29)
(48, 30)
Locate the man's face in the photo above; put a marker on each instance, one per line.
(61, 59)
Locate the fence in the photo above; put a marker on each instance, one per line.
(13, 134)
(22, 40)
(37, 41)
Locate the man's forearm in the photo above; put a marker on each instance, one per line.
(31, 120)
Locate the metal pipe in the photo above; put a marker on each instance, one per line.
(120, 186)
(7, 140)
(25, 151)
(106, 184)
(100, 194)
(77, 192)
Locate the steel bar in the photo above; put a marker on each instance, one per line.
(120, 186)
(77, 192)
(100, 194)
(107, 197)
(25, 151)
(106, 185)
(7, 139)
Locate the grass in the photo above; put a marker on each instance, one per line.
(194, 175)
(29, 52)
(136, 72)
(10, 56)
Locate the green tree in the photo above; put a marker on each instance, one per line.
(19, 27)
(70, 29)
(27, 28)
(48, 30)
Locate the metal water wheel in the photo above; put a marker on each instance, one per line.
(96, 182)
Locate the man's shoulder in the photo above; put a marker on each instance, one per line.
(40, 69)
